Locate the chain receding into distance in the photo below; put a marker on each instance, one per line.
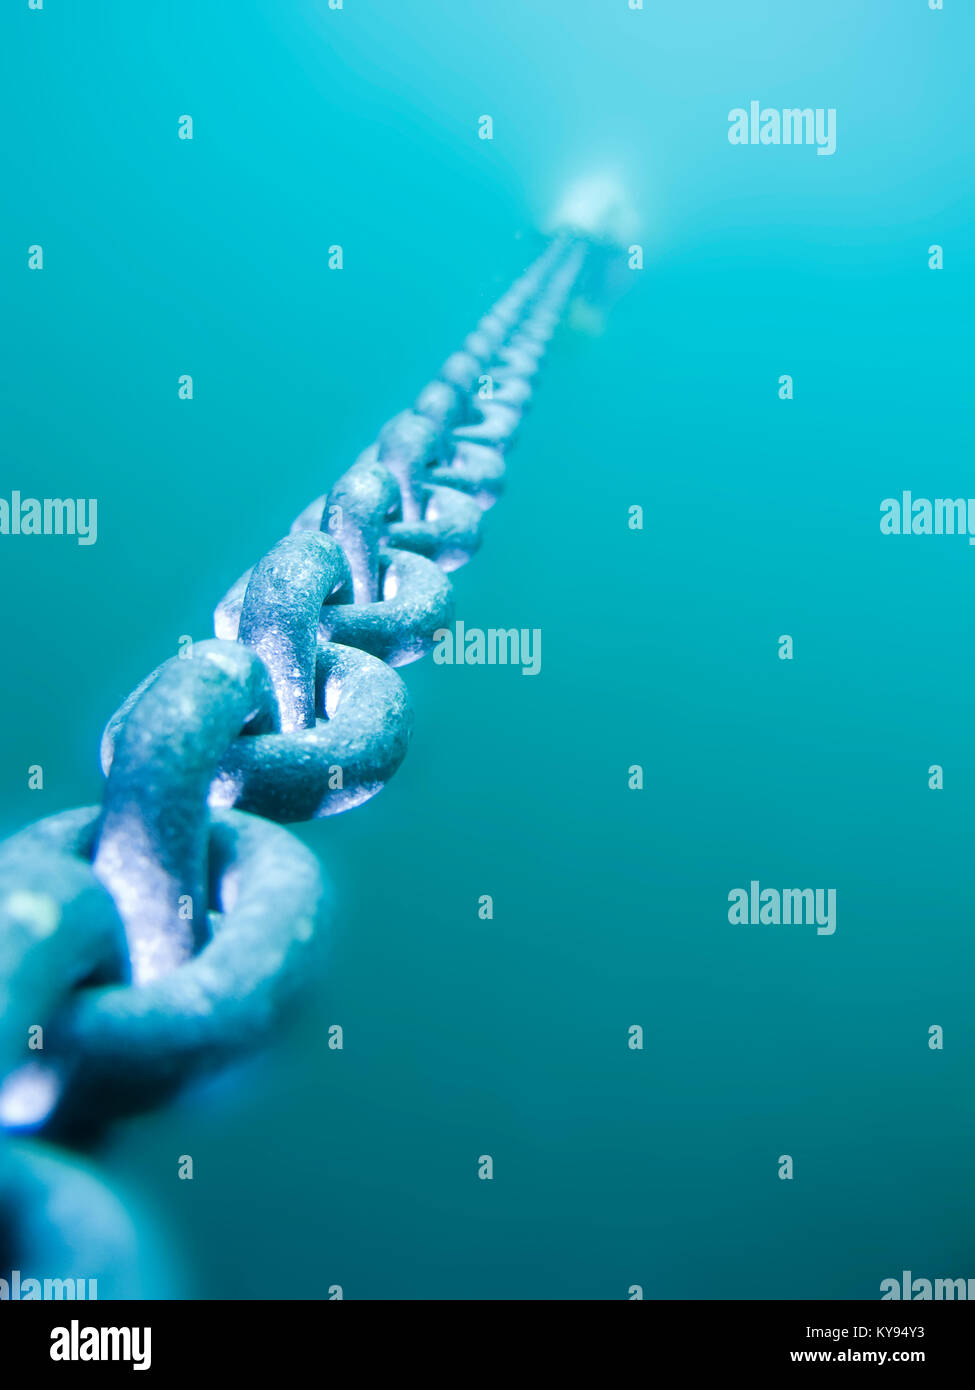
(115, 987)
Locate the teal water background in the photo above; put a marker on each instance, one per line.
(312, 127)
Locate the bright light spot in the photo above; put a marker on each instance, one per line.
(333, 694)
(28, 1095)
(224, 790)
(598, 206)
(38, 911)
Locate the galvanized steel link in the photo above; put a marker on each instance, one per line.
(160, 753)
(118, 1047)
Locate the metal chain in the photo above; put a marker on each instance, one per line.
(153, 938)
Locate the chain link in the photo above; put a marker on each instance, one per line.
(158, 936)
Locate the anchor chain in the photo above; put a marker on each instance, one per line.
(156, 937)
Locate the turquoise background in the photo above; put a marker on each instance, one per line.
(313, 127)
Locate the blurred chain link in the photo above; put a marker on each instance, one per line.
(158, 936)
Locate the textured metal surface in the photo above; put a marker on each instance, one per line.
(120, 1046)
(162, 755)
(357, 742)
(158, 936)
(279, 617)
